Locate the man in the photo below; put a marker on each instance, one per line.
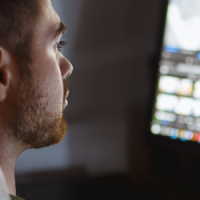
(33, 89)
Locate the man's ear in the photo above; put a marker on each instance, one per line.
(4, 73)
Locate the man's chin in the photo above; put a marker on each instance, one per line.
(45, 134)
(53, 135)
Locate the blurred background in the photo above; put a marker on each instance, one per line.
(112, 45)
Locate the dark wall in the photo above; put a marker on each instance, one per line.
(112, 54)
(114, 44)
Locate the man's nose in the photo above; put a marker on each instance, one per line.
(66, 67)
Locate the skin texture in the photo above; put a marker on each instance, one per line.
(32, 106)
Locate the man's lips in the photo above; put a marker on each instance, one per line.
(67, 93)
(66, 101)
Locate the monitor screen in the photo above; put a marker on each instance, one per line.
(176, 111)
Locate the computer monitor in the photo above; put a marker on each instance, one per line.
(175, 119)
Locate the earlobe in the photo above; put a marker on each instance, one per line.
(4, 74)
(2, 92)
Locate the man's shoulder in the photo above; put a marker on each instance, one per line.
(15, 198)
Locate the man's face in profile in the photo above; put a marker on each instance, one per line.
(38, 112)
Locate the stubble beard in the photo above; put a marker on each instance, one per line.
(34, 125)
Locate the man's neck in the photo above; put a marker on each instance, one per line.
(8, 166)
(9, 152)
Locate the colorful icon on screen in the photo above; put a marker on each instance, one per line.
(174, 133)
(196, 137)
(156, 129)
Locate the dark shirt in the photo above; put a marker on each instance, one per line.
(15, 198)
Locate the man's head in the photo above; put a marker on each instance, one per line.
(32, 73)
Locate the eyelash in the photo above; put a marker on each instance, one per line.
(60, 45)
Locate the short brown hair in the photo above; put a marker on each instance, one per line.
(17, 21)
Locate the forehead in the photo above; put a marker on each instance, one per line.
(49, 15)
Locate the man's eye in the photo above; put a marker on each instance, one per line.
(60, 45)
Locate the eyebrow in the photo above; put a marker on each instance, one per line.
(60, 30)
